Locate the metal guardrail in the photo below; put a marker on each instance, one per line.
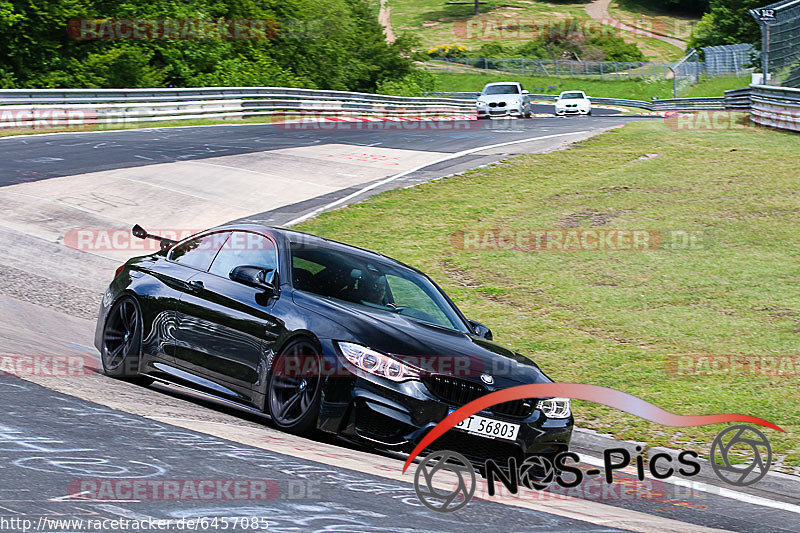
(456, 95)
(738, 99)
(771, 106)
(32, 107)
(777, 107)
(621, 101)
(688, 104)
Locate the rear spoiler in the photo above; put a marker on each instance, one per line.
(141, 233)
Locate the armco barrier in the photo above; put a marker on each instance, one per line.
(738, 99)
(770, 106)
(688, 104)
(777, 107)
(35, 107)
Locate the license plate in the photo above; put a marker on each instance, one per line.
(486, 427)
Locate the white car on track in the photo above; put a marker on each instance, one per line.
(502, 99)
(574, 103)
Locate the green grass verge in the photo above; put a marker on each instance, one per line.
(641, 89)
(614, 318)
(716, 86)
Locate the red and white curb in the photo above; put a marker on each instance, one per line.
(312, 120)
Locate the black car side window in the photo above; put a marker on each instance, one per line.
(200, 251)
(245, 248)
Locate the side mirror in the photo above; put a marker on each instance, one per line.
(525, 91)
(253, 276)
(480, 330)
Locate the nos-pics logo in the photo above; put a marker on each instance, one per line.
(445, 480)
(452, 470)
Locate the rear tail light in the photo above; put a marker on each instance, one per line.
(119, 271)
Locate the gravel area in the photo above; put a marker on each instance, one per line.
(35, 289)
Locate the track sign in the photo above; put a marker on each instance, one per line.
(765, 14)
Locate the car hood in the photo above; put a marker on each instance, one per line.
(580, 101)
(436, 349)
(488, 98)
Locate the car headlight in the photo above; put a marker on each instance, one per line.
(377, 363)
(555, 407)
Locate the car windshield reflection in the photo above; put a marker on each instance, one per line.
(368, 282)
(501, 89)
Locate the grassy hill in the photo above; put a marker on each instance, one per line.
(438, 23)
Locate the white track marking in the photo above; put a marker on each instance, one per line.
(711, 489)
(415, 169)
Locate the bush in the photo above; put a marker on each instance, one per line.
(414, 84)
(564, 40)
(447, 51)
(492, 49)
(616, 49)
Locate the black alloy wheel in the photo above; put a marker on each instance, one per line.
(295, 388)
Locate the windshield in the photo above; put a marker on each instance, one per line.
(375, 284)
(571, 96)
(501, 89)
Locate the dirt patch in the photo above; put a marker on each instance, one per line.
(590, 216)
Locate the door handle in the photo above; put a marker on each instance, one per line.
(196, 285)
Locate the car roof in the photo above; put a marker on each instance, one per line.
(503, 83)
(294, 236)
(575, 91)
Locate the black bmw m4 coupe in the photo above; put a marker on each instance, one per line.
(321, 336)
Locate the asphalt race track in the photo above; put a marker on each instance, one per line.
(32, 158)
(62, 434)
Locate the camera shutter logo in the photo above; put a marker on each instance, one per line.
(740, 437)
(441, 500)
(536, 472)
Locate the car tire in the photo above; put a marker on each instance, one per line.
(293, 401)
(589, 112)
(122, 341)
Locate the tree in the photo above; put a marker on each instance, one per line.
(338, 44)
(727, 22)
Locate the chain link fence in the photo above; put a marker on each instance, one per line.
(780, 42)
(728, 59)
(553, 68)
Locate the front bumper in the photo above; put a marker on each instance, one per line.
(499, 111)
(398, 415)
(571, 111)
